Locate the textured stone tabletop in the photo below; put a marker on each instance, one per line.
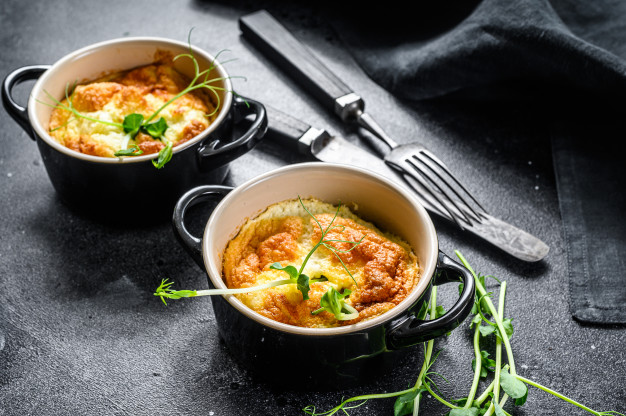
(81, 332)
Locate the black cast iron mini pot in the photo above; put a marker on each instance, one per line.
(331, 357)
(131, 188)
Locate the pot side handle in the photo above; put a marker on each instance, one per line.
(191, 243)
(16, 111)
(411, 330)
(213, 155)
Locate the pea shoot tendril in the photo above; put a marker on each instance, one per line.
(332, 301)
(505, 380)
(134, 123)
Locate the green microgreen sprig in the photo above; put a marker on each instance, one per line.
(165, 291)
(129, 151)
(165, 155)
(332, 301)
(406, 399)
(135, 123)
(325, 242)
(505, 378)
(70, 107)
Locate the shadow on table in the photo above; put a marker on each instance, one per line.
(86, 258)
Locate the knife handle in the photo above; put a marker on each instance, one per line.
(291, 132)
(275, 41)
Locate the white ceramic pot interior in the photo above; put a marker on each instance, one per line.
(105, 58)
(387, 205)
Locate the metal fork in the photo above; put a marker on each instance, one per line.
(447, 194)
(437, 189)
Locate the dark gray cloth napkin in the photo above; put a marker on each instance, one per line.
(591, 180)
(566, 58)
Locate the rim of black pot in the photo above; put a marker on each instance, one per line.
(37, 93)
(427, 269)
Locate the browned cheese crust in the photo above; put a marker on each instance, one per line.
(142, 90)
(385, 271)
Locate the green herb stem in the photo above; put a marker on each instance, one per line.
(496, 387)
(505, 397)
(323, 241)
(496, 378)
(480, 288)
(332, 301)
(501, 404)
(439, 398)
(418, 384)
(416, 404)
(165, 154)
(95, 120)
(428, 352)
(505, 338)
(477, 368)
(562, 397)
(485, 393)
(363, 398)
(310, 253)
(274, 283)
(165, 291)
(429, 346)
(505, 379)
(485, 396)
(176, 97)
(125, 142)
(352, 313)
(72, 110)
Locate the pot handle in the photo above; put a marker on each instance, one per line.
(16, 111)
(410, 330)
(213, 155)
(191, 243)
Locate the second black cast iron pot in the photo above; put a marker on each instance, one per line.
(324, 357)
(131, 189)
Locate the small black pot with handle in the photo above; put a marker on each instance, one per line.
(324, 357)
(131, 188)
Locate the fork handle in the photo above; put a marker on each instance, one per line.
(276, 42)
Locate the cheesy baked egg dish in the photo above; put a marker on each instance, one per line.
(383, 268)
(142, 91)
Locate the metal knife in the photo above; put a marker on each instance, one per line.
(308, 140)
(266, 34)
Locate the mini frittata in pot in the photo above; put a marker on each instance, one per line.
(103, 104)
(379, 269)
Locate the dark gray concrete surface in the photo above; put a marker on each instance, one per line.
(81, 332)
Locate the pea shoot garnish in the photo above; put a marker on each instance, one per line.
(165, 291)
(164, 155)
(332, 301)
(489, 325)
(135, 123)
(335, 303)
(130, 151)
(132, 124)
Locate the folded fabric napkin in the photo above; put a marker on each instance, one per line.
(591, 180)
(474, 48)
(568, 56)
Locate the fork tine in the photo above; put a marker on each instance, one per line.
(424, 186)
(432, 173)
(432, 183)
(445, 169)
